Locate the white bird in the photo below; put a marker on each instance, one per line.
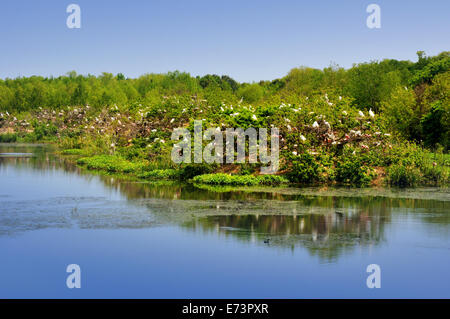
(371, 113)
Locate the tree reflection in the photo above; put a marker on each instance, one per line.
(327, 223)
(327, 235)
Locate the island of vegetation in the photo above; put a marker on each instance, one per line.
(377, 123)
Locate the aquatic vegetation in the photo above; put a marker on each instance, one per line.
(226, 179)
(245, 180)
(160, 174)
(110, 163)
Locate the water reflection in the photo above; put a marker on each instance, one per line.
(327, 235)
(327, 222)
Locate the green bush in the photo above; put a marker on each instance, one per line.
(42, 130)
(160, 174)
(351, 171)
(403, 176)
(304, 169)
(226, 179)
(191, 170)
(434, 174)
(110, 163)
(272, 180)
(8, 138)
(244, 180)
(74, 151)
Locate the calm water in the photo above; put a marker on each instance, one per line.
(165, 240)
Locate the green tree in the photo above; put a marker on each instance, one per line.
(251, 93)
(399, 115)
(370, 84)
(435, 126)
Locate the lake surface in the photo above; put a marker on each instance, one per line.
(172, 240)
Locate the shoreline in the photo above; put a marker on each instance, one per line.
(285, 187)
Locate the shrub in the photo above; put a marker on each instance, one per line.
(191, 170)
(403, 176)
(435, 174)
(42, 130)
(8, 138)
(272, 180)
(226, 179)
(160, 174)
(352, 171)
(74, 151)
(304, 169)
(245, 180)
(109, 163)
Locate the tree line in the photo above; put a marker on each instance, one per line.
(412, 96)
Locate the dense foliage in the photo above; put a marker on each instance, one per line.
(375, 121)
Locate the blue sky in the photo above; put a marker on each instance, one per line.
(248, 40)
